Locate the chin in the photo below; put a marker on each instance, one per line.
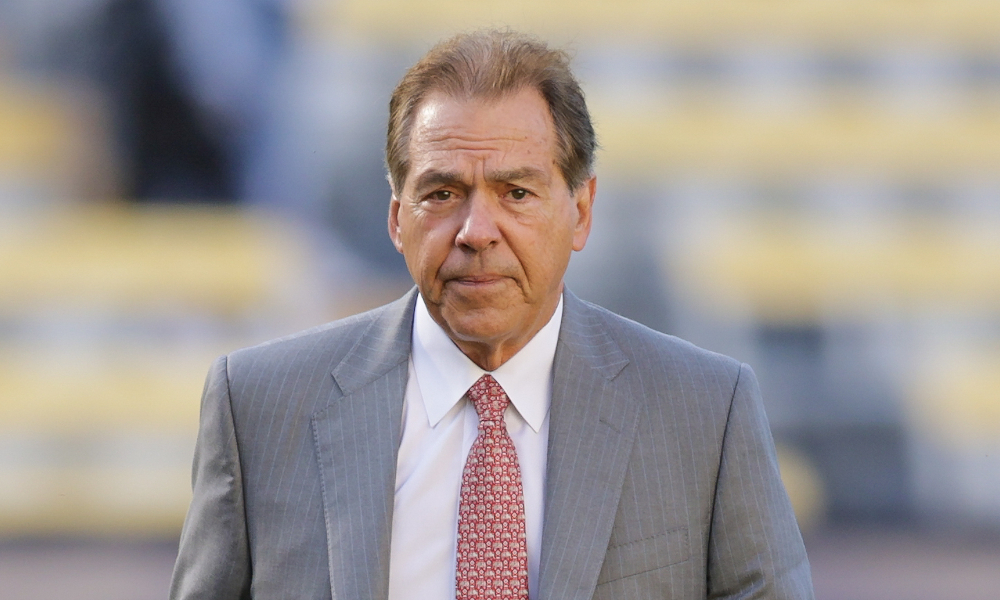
(477, 325)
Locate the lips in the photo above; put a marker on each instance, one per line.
(477, 279)
(478, 276)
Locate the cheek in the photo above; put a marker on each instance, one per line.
(547, 256)
(427, 249)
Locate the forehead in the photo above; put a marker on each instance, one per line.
(517, 127)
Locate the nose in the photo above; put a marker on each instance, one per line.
(479, 229)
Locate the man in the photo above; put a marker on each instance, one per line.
(489, 435)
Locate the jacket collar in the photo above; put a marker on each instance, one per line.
(592, 426)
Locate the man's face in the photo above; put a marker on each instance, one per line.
(486, 221)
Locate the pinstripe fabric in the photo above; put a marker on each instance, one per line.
(684, 462)
(216, 525)
(294, 476)
(661, 482)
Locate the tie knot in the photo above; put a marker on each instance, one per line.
(489, 399)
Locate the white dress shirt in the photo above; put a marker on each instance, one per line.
(439, 426)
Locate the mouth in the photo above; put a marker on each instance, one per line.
(478, 280)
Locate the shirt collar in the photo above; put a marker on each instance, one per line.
(444, 374)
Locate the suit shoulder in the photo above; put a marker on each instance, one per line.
(646, 347)
(327, 343)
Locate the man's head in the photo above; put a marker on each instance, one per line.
(489, 198)
(489, 65)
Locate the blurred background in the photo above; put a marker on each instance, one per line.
(810, 186)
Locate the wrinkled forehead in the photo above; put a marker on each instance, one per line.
(521, 121)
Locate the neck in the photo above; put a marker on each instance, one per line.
(490, 357)
(490, 354)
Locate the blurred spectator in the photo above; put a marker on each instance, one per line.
(188, 84)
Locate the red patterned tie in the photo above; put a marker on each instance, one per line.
(492, 559)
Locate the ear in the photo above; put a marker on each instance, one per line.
(584, 199)
(394, 232)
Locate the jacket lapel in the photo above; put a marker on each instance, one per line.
(591, 430)
(357, 440)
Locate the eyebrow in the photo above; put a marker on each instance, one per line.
(435, 178)
(432, 179)
(525, 174)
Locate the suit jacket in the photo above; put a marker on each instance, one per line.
(661, 481)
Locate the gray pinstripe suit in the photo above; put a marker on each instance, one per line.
(662, 480)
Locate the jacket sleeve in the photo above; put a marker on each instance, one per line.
(755, 548)
(213, 561)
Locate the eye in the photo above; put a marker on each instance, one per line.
(518, 193)
(440, 195)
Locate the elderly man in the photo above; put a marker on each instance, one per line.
(489, 435)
